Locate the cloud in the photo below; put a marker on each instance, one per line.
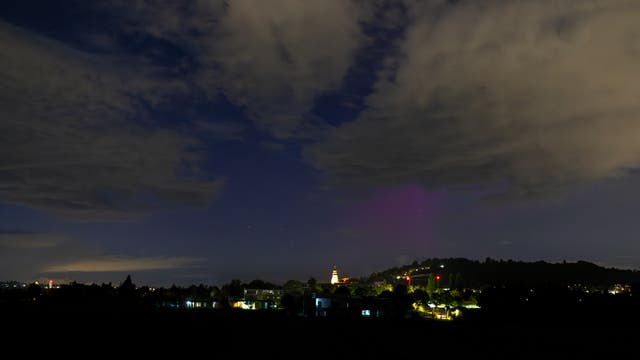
(528, 96)
(38, 250)
(50, 254)
(75, 137)
(78, 135)
(27, 240)
(120, 263)
(221, 130)
(272, 58)
(272, 146)
(285, 52)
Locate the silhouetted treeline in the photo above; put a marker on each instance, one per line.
(125, 296)
(555, 305)
(502, 289)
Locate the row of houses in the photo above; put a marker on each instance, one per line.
(254, 299)
(314, 304)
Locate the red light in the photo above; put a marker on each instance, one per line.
(408, 278)
(438, 277)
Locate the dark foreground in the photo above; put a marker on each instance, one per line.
(215, 334)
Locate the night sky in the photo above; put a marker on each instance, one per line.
(191, 142)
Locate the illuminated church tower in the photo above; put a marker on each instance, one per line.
(334, 276)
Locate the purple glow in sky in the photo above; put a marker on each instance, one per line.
(402, 216)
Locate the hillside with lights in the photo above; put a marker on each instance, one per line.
(465, 273)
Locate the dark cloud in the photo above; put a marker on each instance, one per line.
(285, 53)
(74, 138)
(529, 95)
(221, 130)
(272, 58)
(78, 133)
(27, 240)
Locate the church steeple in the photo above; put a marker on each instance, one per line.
(334, 276)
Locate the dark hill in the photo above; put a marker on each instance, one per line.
(477, 274)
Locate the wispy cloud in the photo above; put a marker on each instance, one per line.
(123, 263)
(27, 240)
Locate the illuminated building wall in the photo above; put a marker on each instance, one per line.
(334, 276)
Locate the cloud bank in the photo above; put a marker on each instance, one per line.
(78, 135)
(75, 139)
(527, 95)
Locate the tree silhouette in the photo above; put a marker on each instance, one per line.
(342, 291)
(431, 284)
(401, 300)
(459, 283)
(291, 304)
(127, 286)
(234, 290)
(127, 292)
(293, 285)
(33, 291)
(261, 284)
(420, 296)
